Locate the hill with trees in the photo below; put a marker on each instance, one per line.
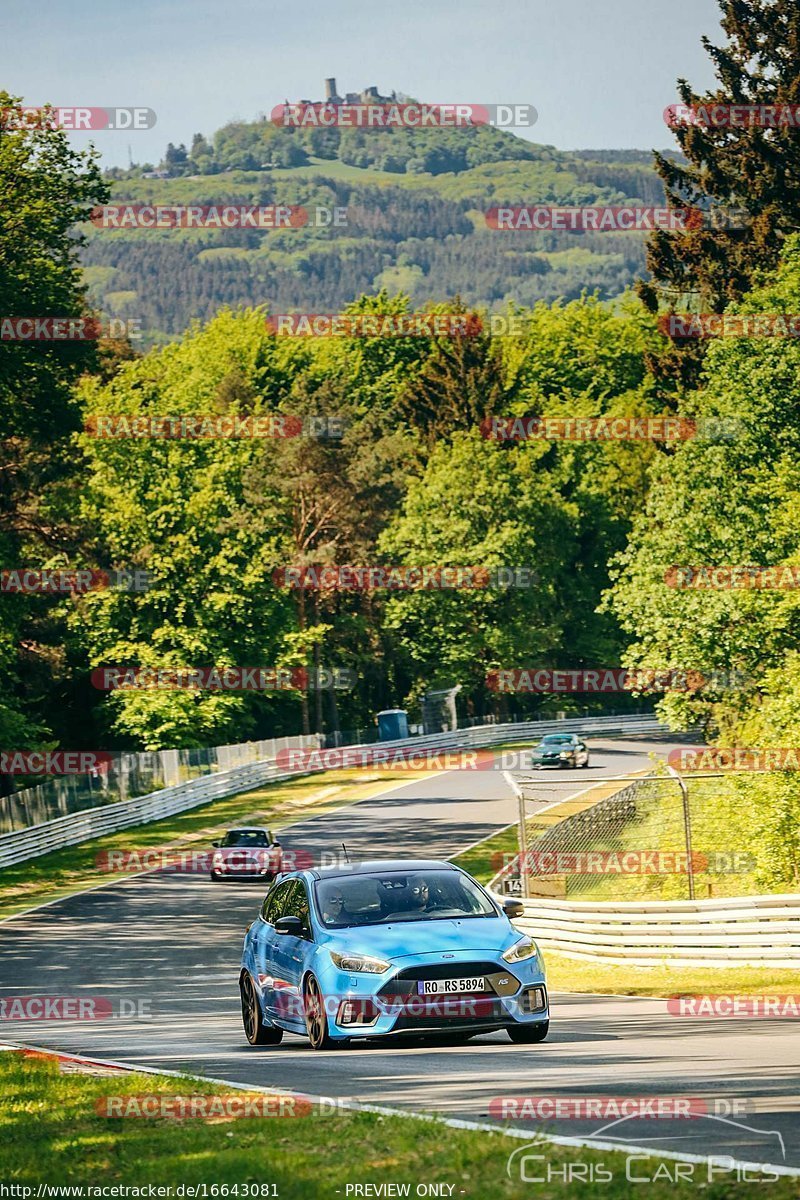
(416, 202)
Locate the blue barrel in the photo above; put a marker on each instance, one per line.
(392, 724)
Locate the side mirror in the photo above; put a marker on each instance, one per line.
(513, 908)
(292, 925)
(215, 843)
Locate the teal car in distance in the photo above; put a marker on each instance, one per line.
(560, 750)
(371, 949)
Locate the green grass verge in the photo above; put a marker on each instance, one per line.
(484, 859)
(573, 975)
(52, 1133)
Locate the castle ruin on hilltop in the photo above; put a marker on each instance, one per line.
(369, 95)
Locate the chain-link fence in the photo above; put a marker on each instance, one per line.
(657, 837)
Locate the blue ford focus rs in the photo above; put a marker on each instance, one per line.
(377, 948)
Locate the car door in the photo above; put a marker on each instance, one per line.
(292, 953)
(265, 944)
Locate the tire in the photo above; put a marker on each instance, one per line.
(526, 1034)
(215, 876)
(257, 1032)
(317, 1018)
(587, 761)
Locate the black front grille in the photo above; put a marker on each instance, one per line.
(403, 982)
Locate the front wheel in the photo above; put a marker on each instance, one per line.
(526, 1034)
(587, 761)
(316, 1017)
(257, 1032)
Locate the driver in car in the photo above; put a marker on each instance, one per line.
(418, 895)
(334, 912)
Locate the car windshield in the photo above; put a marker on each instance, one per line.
(246, 837)
(557, 739)
(384, 897)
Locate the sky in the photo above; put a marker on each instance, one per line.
(598, 72)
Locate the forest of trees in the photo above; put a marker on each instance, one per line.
(426, 238)
(412, 480)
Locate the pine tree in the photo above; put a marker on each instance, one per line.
(750, 168)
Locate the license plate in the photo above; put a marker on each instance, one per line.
(438, 987)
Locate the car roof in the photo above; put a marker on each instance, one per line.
(248, 829)
(381, 864)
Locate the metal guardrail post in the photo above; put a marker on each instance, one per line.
(522, 837)
(687, 827)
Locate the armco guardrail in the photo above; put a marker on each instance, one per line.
(762, 931)
(132, 774)
(81, 826)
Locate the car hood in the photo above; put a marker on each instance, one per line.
(406, 938)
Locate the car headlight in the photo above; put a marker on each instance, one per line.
(362, 963)
(524, 948)
(566, 754)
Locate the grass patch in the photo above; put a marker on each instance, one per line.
(74, 868)
(483, 860)
(566, 974)
(53, 1133)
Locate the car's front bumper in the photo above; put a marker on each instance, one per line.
(391, 1003)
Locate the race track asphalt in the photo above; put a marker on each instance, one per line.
(168, 946)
